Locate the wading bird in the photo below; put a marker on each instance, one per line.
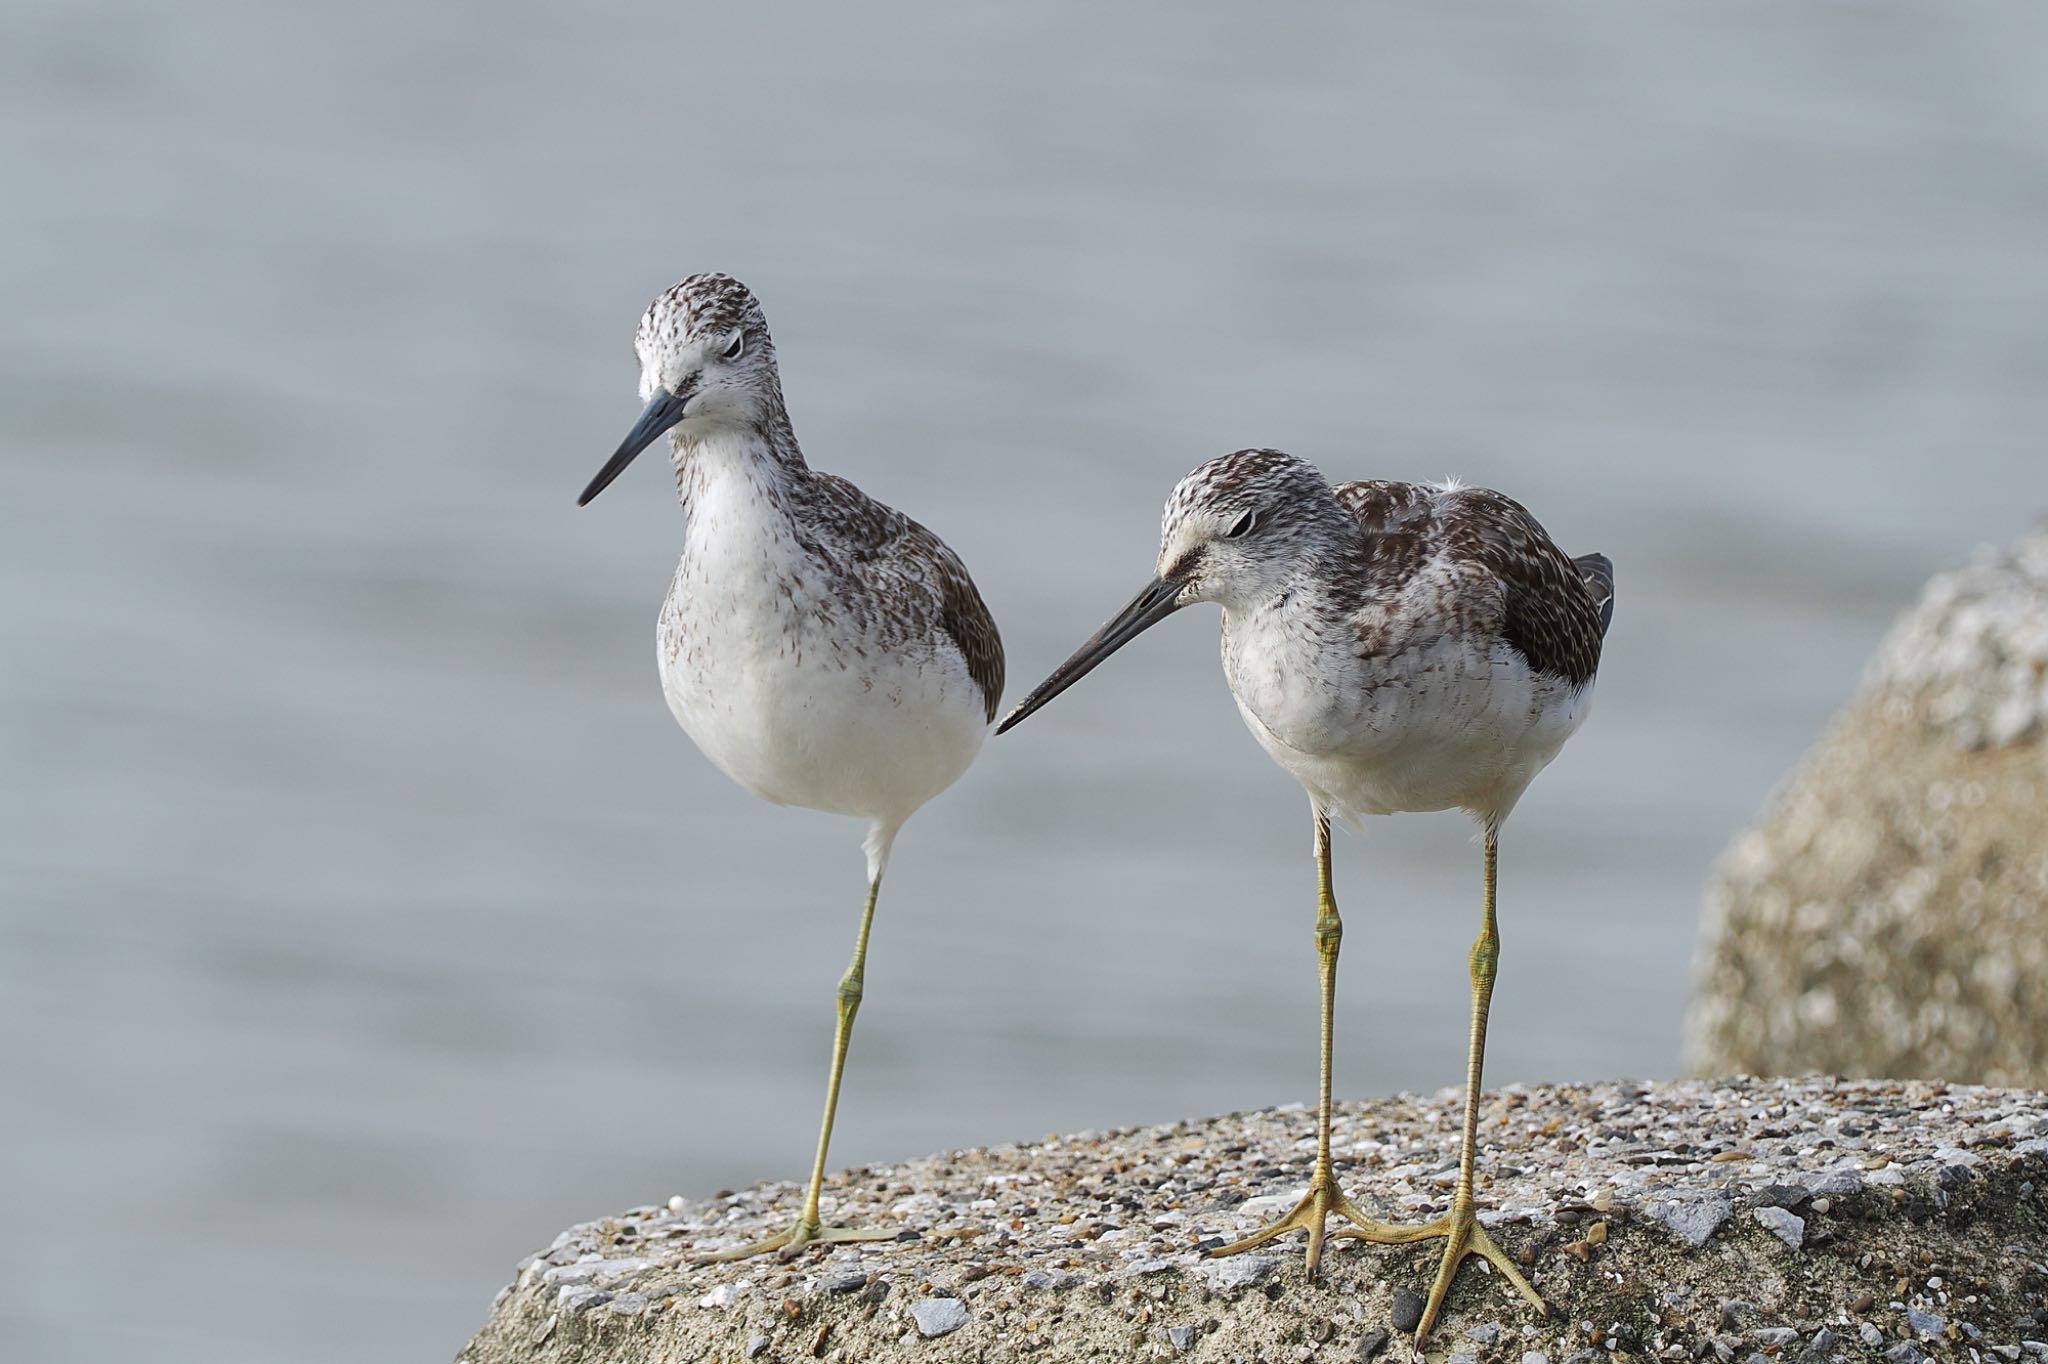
(1393, 646)
(822, 649)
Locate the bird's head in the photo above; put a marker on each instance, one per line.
(1235, 527)
(705, 360)
(1233, 531)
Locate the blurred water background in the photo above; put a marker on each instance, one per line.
(364, 917)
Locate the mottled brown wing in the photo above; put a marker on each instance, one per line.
(964, 616)
(1598, 572)
(1397, 521)
(927, 587)
(1549, 612)
(1380, 505)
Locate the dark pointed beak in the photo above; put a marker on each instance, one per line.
(663, 412)
(1158, 601)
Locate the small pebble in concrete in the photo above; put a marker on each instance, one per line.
(1485, 1333)
(1780, 1336)
(1778, 1196)
(938, 1316)
(1782, 1223)
(1371, 1343)
(756, 1346)
(846, 1283)
(1407, 1309)
(1239, 1271)
(581, 1298)
(1928, 1324)
(1870, 1334)
(1693, 1219)
(1182, 1338)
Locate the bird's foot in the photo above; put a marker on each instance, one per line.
(1322, 1201)
(786, 1245)
(1463, 1236)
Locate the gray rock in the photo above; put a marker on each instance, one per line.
(1406, 1312)
(1904, 1353)
(1778, 1196)
(1787, 1226)
(1486, 1332)
(1835, 1183)
(1694, 1220)
(1780, 1336)
(574, 1298)
(1371, 1343)
(1182, 1338)
(1237, 1272)
(1535, 1357)
(852, 1282)
(1823, 1342)
(938, 1316)
(1870, 1335)
(1843, 932)
(756, 1346)
(1929, 1324)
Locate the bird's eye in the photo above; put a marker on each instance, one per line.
(737, 348)
(1244, 524)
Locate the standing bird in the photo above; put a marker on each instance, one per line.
(1393, 646)
(822, 649)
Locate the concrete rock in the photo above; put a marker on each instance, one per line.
(1888, 914)
(1023, 1254)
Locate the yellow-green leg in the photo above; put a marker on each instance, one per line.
(1324, 1198)
(809, 1229)
(1460, 1228)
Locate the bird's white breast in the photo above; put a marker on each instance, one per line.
(786, 694)
(1434, 723)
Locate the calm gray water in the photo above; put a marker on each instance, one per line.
(364, 917)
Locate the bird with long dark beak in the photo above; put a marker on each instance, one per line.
(1393, 646)
(822, 649)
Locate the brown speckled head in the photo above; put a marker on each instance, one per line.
(1242, 521)
(706, 340)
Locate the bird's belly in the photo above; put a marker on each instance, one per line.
(801, 716)
(1453, 728)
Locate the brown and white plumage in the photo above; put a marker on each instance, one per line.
(822, 648)
(1394, 646)
(1541, 615)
